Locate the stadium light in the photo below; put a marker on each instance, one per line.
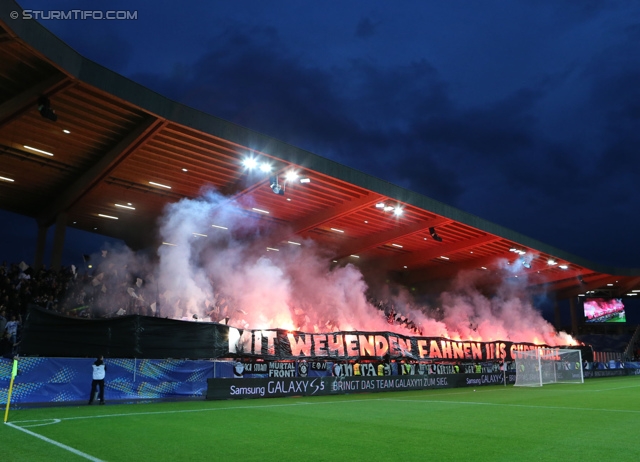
(47, 153)
(250, 163)
(159, 185)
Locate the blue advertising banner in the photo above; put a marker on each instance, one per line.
(51, 380)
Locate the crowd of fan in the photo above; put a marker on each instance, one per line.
(22, 286)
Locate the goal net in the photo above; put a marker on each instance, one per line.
(542, 366)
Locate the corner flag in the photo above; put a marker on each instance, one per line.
(14, 372)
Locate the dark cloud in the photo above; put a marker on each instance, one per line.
(535, 128)
(402, 123)
(351, 114)
(366, 28)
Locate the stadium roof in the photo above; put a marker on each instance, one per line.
(117, 142)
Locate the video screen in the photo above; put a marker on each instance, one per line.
(604, 310)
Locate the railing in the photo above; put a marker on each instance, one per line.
(628, 351)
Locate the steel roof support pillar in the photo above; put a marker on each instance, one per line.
(574, 316)
(41, 243)
(557, 315)
(58, 241)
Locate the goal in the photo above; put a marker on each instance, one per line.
(542, 366)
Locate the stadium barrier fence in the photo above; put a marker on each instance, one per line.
(60, 380)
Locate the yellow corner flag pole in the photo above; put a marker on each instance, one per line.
(14, 372)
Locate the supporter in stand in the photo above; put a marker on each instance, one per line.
(12, 328)
(7, 346)
(356, 368)
(3, 319)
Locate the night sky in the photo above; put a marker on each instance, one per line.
(525, 113)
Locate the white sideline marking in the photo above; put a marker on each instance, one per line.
(512, 405)
(55, 443)
(64, 419)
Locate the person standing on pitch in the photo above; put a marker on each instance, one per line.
(99, 372)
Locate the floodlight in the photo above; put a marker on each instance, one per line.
(291, 175)
(250, 163)
(265, 167)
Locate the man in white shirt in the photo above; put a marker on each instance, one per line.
(99, 372)
(12, 328)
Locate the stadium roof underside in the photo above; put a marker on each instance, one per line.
(124, 136)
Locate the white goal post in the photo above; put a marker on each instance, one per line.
(542, 366)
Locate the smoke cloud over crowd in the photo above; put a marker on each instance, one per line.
(218, 264)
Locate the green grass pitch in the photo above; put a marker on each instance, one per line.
(598, 420)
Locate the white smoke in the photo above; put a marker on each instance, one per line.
(225, 273)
